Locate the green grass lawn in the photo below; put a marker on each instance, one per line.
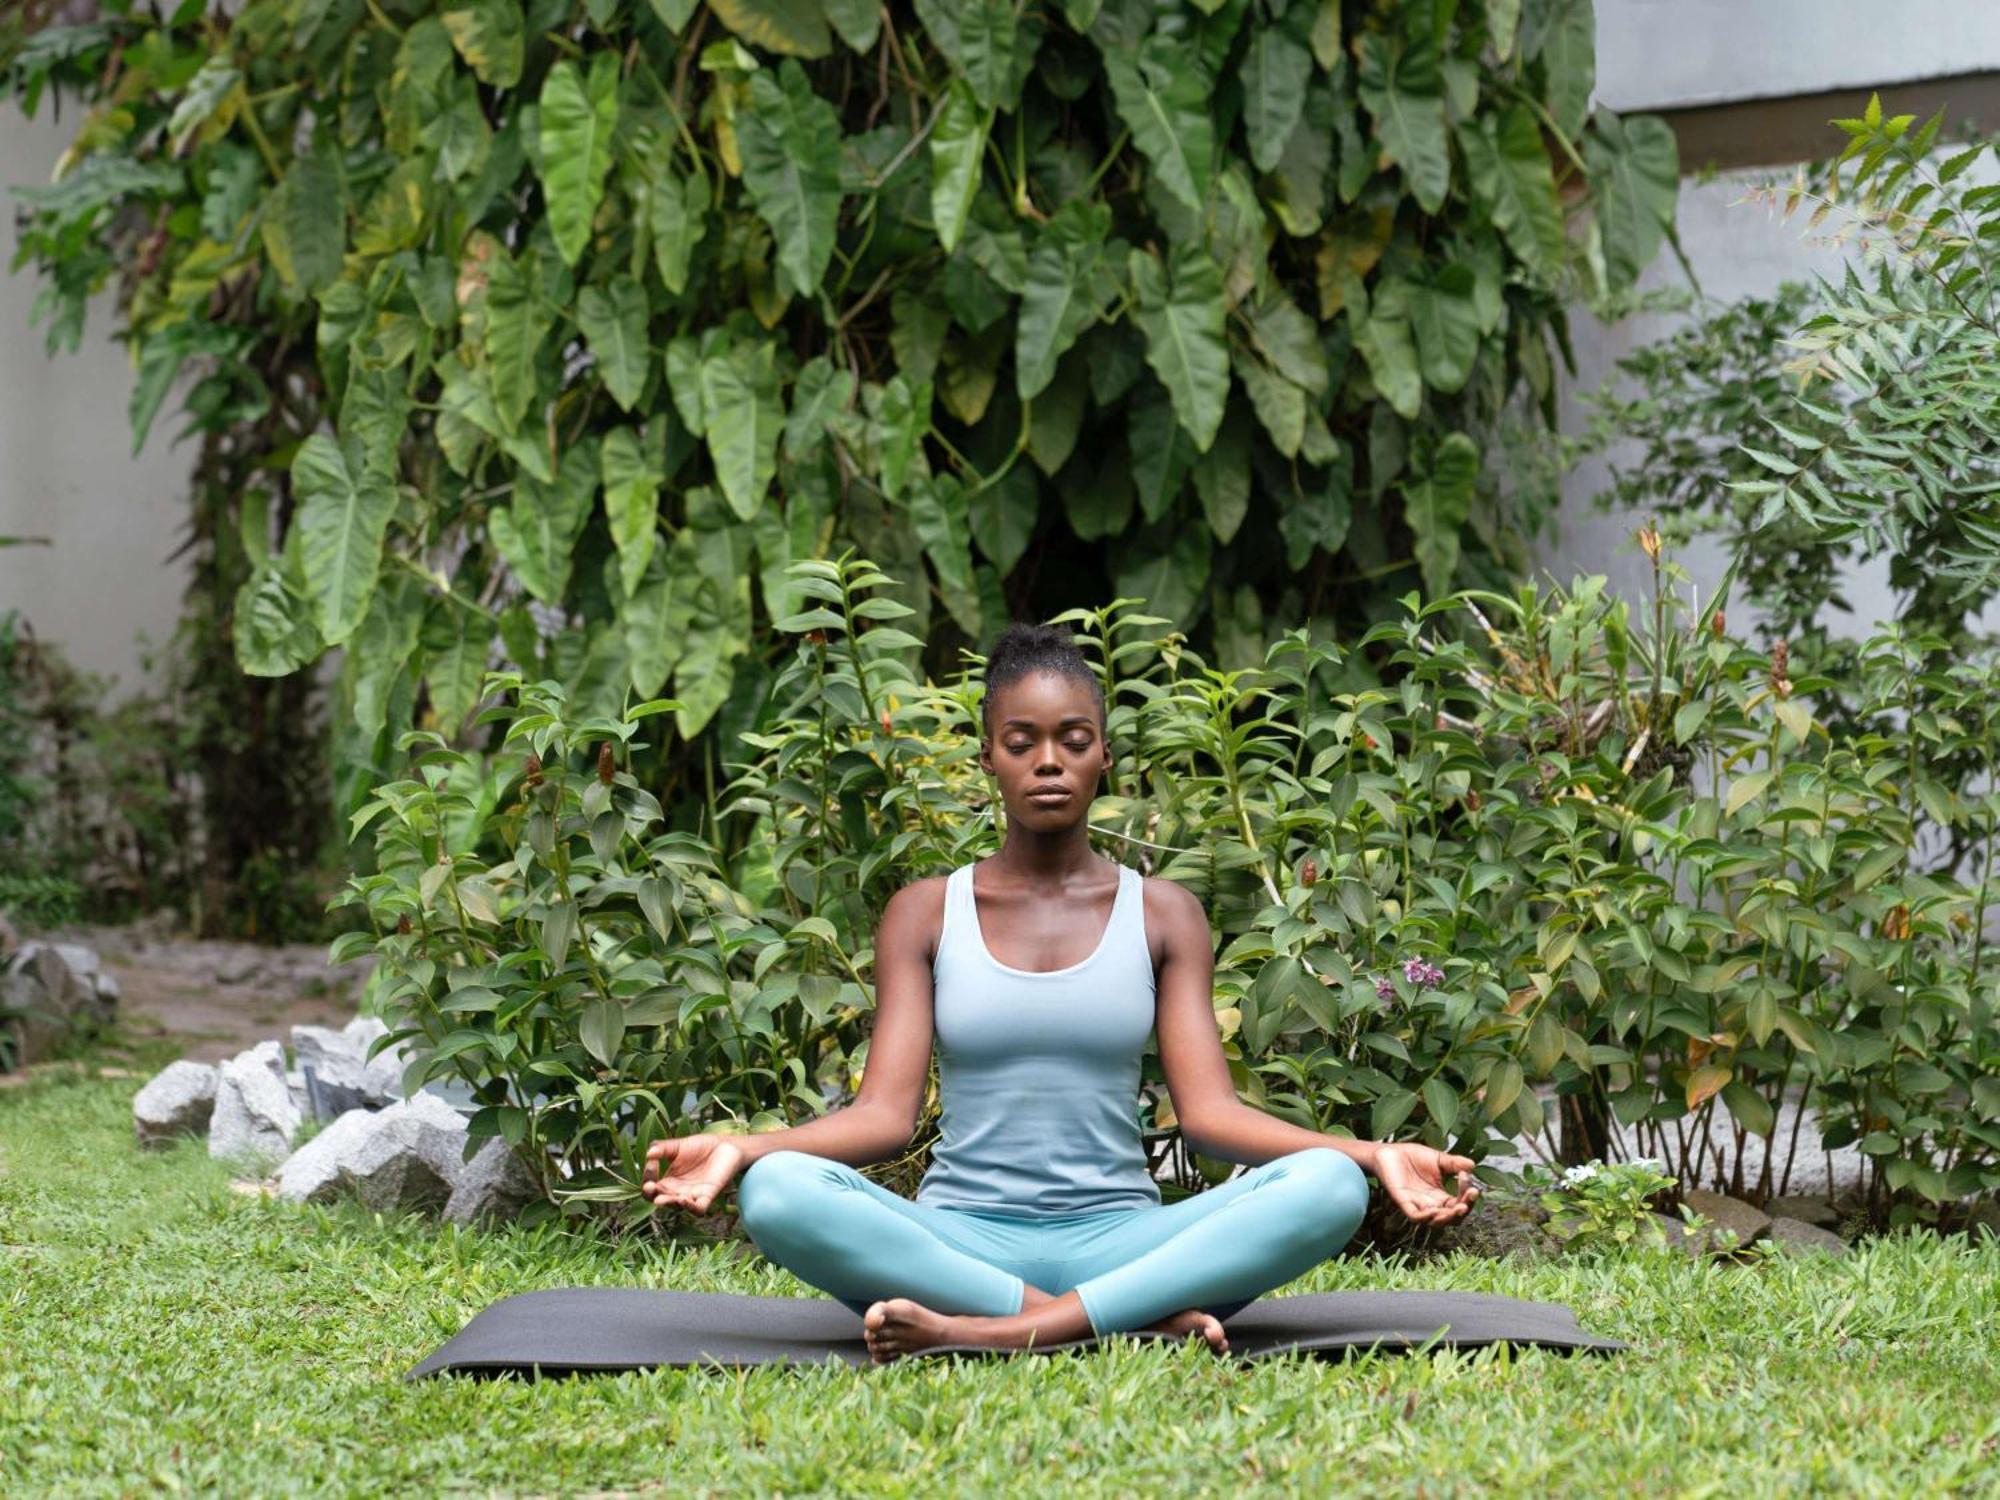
(161, 1332)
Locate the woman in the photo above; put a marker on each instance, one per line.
(1043, 970)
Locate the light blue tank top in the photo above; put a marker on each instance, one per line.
(1038, 1074)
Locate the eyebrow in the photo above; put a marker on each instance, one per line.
(1088, 719)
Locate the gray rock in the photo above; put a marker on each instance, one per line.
(1800, 1238)
(1678, 1236)
(493, 1187)
(1984, 1220)
(1807, 1210)
(45, 1003)
(254, 1116)
(1497, 1227)
(1728, 1216)
(394, 1160)
(339, 1075)
(178, 1101)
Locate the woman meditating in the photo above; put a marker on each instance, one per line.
(1042, 972)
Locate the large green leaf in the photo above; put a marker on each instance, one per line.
(1162, 452)
(1563, 34)
(1289, 339)
(1403, 89)
(790, 143)
(903, 418)
(978, 38)
(1056, 416)
(657, 618)
(491, 36)
(859, 22)
(1222, 478)
(273, 629)
(632, 480)
(795, 27)
(820, 392)
(537, 533)
(1184, 344)
(1512, 179)
(517, 322)
(1001, 517)
(1168, 568)
(744, 413)
(1634, 181)
(1275, 70)
(1436, 507)
(958, 141)
(1446, 324)
(937, 510)
(1386, 343)
(1059, 302)
(579, 116)
(1163, 98)
(1280, 405)
(676, 207)
(305, 230)
(613, 320)
(343, 511)
(455, 644)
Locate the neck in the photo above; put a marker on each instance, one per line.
(1046, 856)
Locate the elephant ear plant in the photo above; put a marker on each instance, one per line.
(545, 939)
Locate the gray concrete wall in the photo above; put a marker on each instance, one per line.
(67, 470)
(1654, 54)
(1659, 54)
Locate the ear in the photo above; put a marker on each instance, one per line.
(986, 756)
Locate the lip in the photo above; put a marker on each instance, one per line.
(1050, 794)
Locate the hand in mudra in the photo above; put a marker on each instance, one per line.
(690, 1171)
(1413, 1175)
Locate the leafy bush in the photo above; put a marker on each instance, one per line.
(1612, 860)
(615, 310)
(1594, 1204)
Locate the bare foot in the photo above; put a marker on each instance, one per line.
(1194, 1320)
(897, 1326)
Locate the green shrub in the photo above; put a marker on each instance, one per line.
(612, 310)
(1612, 860)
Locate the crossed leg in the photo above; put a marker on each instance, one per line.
(1179, 1268)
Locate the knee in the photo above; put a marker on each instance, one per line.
(775, 1196)
(1332, 1196)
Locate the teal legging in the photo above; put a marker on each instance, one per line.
(1218, 1251)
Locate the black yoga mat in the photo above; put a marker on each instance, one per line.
(576, 1330)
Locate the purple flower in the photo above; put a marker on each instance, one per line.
(1423, 975)
(1384, 990)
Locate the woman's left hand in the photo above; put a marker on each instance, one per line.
(1413, 1176)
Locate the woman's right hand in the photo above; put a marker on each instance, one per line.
(690, 1171)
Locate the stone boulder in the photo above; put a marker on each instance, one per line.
(1728, 1216)
(1678, 1236)
(404, 1157)
(254, 1117)
(339, 1074)
(1806, 1209)
(44, 1001)
(1796, 1237)
(1495, 1227)
(491, 1188)
(179, 1100)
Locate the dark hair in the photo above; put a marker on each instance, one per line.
(1023, 649)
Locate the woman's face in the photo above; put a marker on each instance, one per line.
(1045, 749)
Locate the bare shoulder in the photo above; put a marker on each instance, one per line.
(915, 914)
(1173, 911)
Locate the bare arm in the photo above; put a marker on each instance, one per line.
(1214, 1121)
(883, 1116)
